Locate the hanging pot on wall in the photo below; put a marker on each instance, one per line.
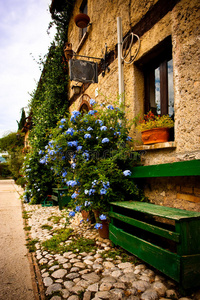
(82, 20)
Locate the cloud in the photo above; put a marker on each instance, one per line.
(23, 30)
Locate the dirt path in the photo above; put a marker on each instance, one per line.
(15, 276)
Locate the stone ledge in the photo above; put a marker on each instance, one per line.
(156, 146)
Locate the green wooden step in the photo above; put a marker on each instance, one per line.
(157, 210)
(183, 168)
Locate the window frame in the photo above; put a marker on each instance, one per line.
(84, 10)
(158, 56)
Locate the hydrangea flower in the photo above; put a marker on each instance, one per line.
(98, 226)
(103, 128)
(71, 213)
(87, 136)
(79, 148)
(63, 120)
(73, 165)
(43, 160)
(92, 112)
(75, 114)
(127, 173)
(71, 183)
(92, 102)
(64, 174)
(73, 143)
(103, 191)
(117, 132)
(87, 203)
(102, 217)
(110, 107)
(91, 192)
(100, 122)
(106, 185)
(74, 195)
(105, 140)
(89, 128)
(70, 131)
(94, 182)
(86, 155)
(51, 152)
(78, 208)
(129, 138)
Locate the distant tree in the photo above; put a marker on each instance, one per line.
(10, 141)
(13, 144)
(22, 120)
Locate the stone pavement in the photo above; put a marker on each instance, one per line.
(81, 275)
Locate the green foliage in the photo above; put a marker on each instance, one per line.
(54, 244)
(151, 121)
(13, 143)
(21, 181)
(89, 153)
(48, 104)
(81, 244)
(46, 226)
(31, 245)
(25, 215)
(4, 170)
(55, 219)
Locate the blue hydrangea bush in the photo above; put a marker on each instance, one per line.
(91, 154)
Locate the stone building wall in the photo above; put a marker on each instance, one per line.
(182, 23)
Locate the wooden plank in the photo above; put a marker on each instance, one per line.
(157, 210)
(60, 189)
(163, 260)
(190, 237)
(190, 271)
(55, 198)
(183, 168)
(147, 227)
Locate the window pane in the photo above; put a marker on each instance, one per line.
(157, 90)
(170, 88)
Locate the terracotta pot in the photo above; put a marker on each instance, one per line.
(104, 231)
(82, 20)
(85, 214)
(155, 135)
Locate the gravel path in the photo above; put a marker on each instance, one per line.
(90, 274)
(15, 278)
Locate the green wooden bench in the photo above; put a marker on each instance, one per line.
(47, 201)
(60, 196)
(166, 238)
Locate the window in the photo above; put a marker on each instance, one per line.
(84, 10)
(158, 73)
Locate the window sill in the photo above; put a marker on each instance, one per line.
(156, 146)
(82, 41)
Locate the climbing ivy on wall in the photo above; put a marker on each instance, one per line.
(48, 104)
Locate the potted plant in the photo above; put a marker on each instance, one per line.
(90, 153)
(155, 129)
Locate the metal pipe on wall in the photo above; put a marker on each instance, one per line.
(120, 64)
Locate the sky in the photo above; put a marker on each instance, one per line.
(23, 39)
